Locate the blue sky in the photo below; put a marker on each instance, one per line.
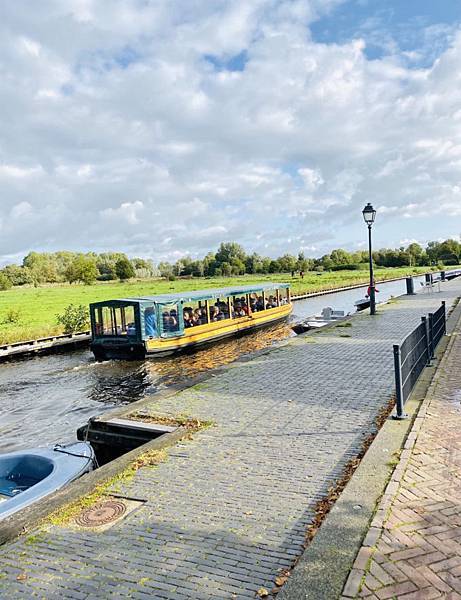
(392, 26)
(164, 127)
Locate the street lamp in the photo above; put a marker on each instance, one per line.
(369, 214)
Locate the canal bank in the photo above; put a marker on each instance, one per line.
(226, 512)
(44, 399)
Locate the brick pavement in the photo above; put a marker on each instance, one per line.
(229, 508)
(413, 548)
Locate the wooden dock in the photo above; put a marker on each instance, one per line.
(44, 345)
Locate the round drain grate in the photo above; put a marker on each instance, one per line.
(101, 514)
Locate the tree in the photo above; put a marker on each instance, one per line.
(287, 263)
(166, 269)
(124, 269)
(415, 253)
(340, 257)
(82, 268)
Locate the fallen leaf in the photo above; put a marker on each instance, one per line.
(262, 593)
(21, 577)
(280, 580)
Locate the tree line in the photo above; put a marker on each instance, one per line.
(73, 267)
(230, 259)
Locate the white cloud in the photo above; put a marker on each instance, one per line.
(105, 102)
(126, 213)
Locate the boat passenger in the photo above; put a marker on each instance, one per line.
(260, 303)
(173, 320)
(131, 329)
(149, 323)
(187, 319)
(166, 320)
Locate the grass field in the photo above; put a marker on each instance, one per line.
(38, 307)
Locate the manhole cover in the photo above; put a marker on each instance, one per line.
(101, 514)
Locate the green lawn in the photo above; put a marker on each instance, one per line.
(38, 307)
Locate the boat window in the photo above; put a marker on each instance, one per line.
(271, 299)
(115, 320)
(219, 309)
(171, 322)
(194, 314)
(283, 296)
(239, 306)
(256, 302)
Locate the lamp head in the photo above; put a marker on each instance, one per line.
(369, 214)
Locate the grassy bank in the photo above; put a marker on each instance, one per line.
(37, 307)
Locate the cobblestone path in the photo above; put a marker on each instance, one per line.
(229, 508)
(413, 548)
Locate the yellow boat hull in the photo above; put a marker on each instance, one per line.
(205, 334)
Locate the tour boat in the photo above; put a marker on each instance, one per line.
(29, 475)
(134, 328)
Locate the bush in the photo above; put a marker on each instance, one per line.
(5, 283)
(346, 268)
(12, 316)
(171, 278)
(74, 318)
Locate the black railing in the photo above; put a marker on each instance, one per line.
(414, 353)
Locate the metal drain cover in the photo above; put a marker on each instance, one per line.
(103, 513)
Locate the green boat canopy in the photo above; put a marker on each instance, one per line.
(190, 296)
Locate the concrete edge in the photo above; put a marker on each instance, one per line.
(32, 516)
(325, 566)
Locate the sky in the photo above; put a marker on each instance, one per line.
(163, 127)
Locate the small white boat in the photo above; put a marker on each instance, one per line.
(29, 475)
(327, 316)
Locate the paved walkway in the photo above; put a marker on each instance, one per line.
(413, 548)
(227, 511)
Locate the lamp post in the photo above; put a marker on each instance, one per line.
(369, 214)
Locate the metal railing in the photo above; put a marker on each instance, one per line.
(416, 352)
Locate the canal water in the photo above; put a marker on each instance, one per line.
(44, 399)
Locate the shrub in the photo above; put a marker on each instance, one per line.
(346, 268)
(74, 318)
(171, 278)
(12, 316)
(5, 283)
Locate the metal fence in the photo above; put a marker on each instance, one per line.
(414, 353)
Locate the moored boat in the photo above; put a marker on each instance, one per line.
(327, 316)
(134, 328)
(362, 304)
(27, 476)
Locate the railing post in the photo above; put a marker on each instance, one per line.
(426, 336)
(444, 317)
(399, 403)
(431, 333)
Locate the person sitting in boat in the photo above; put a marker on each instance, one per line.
(239, 310)
(187, 319)
(166, 320)
(149, 323)
(260, 303)
(214, 312)
(173, 319)
(131, 329)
